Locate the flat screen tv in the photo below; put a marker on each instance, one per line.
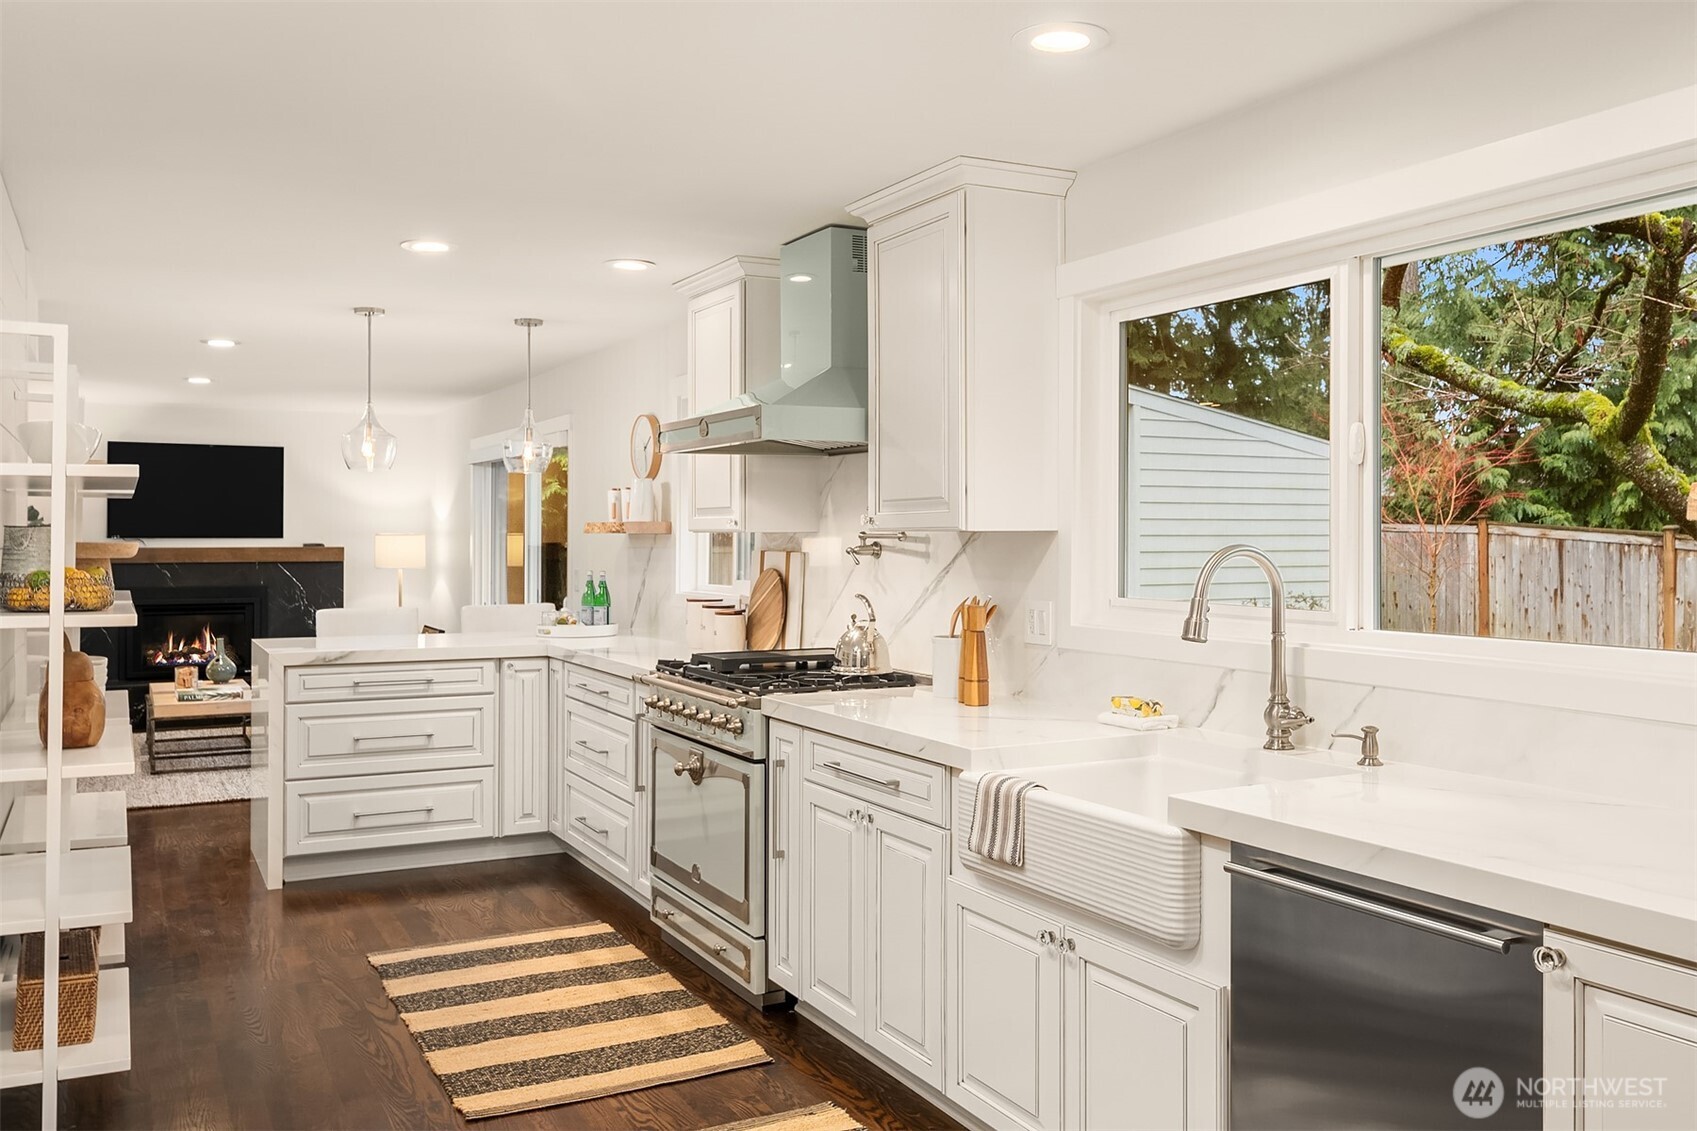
(199, 491)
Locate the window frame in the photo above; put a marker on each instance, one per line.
(1301, 241)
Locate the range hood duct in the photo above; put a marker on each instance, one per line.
(816, 402)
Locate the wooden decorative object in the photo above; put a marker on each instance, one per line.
(187, 677)
(627, 528)
(85, 703)
(766, 610)
(79, 989)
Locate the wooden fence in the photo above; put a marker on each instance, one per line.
(1637, 590)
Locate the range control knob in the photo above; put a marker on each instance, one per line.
(734, 725)
(651, 701)
(688, 713)
(720, 721)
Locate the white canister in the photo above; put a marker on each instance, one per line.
(698, 627)
(730, 630)
(945, 667)
(641, 500)
(615, 505)
(624, 504)
(100, 664)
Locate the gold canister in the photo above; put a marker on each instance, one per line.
(973, 618)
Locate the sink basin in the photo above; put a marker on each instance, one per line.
(1097, 834)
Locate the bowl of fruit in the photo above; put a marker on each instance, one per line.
(86, 590)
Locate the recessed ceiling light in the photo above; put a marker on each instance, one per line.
(427, 247)
(630, 264)
(800, 278)
(220, 343)
(1062, 38)
(198, 380)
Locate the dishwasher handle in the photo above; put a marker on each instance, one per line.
(1488, 938)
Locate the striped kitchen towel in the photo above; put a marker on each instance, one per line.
(998, 818)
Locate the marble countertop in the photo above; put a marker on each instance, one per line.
(1583, 861)
(624, 656)
(916, 721)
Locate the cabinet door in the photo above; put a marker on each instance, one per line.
(783, 904)
(1143, 1044)
(524, 747)
(906, 866)
(833, 934)
(1004, 1019)
(715, 376)
(916, 386)
(557, 748)
(1615, 1020)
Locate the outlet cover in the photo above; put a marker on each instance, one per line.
(1040, 622)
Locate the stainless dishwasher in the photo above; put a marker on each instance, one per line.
(1357, 1004)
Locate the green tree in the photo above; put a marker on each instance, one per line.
(1579, 346)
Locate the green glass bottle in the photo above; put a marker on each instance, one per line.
(603, 602)
(586, 603)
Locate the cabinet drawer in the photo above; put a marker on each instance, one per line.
(701, 934)
(602, 748)
(339, 814)
(399, 735)
(600, 826)
(610, 693)
(893, 780)
(389, 681)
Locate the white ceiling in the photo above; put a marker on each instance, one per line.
(247, 170)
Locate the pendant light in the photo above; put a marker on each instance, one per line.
(525, 450)
(368, 446)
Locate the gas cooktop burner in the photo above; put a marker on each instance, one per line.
(776, 673)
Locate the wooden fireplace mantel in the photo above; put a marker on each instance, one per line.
(238, 554)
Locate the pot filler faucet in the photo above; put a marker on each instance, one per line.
(1283, 720)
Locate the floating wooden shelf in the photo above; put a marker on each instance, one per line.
(627, 528)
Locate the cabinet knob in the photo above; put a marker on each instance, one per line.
(1548, 959)
(1046, 938)
(1072, 944)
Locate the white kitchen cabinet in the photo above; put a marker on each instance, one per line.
(1052, 1026)
(834, 890)
(783, 898)
(1144, 1045)
(1620, 1029)
(733, 349)
(871, 940)
(1004, 1003)
(964, 374)
(523, 764)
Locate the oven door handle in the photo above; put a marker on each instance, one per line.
(1487, 938)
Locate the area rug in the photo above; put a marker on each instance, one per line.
(214, 777)
(819, 1117)
(550, 1017)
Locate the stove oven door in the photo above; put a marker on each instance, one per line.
(710, 826)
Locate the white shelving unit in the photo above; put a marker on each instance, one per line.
(64, 856)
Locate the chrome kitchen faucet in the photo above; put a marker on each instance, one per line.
(1281, 717)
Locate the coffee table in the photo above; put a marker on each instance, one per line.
(167, 718)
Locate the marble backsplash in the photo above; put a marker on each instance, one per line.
(917, 583)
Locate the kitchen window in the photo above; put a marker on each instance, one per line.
(1428, 283)
(1227, 437)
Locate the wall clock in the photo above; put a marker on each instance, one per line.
(645, 446)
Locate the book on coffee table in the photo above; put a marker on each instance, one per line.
(210, 693)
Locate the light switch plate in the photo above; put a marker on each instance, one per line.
(1040, 622)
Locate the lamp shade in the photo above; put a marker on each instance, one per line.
(400, 551)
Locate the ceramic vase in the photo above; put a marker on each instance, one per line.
(220, 668)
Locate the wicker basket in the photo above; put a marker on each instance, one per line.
(79, 984)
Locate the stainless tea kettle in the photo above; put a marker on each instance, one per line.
(860, 649)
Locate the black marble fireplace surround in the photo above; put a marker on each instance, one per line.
(242, 599)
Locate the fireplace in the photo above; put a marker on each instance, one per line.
(176, 629)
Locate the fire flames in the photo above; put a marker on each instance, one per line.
(178, 651)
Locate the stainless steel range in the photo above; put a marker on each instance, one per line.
(706, 748)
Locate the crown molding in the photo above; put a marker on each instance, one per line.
(732, 270)
(957, 173)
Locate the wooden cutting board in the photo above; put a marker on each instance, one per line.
(766, 609)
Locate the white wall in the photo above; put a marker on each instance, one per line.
(426, 491)
(1527, 66)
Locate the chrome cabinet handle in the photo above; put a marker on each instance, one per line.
(1047, 938)
(601, 691)
(1548, 959)
(777, 808)
(663, 913)
(1071, 944)
(882, 783)
(584, 821)
(393, 812)
(1488, 938)
(854, 815)
(591, 749)
(359, 738)
(867, 816)
(393, 682)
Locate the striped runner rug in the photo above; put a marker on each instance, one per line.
(550, 1017)
(819, 1117)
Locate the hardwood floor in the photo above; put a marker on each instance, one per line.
(256, 1009)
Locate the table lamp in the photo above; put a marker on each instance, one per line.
(400, 552)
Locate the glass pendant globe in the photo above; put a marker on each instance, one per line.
(525, 450)
(368, 446)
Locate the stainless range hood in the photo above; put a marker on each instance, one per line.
(816, 403)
